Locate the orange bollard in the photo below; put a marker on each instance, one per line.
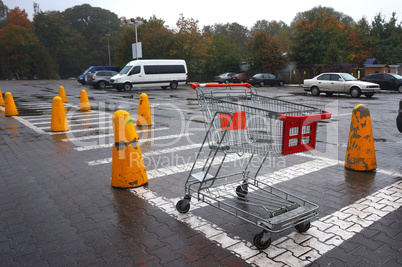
(360, 154)
(59, 120)
(144, 112)
(1, 99)
(84, 105)
(62, 94)
(10, 107)
(128, 169)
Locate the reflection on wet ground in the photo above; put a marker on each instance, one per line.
(359, 184)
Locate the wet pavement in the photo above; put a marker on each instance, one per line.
(57, 207)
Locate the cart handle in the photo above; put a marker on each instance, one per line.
(313, 117)
(195, 85)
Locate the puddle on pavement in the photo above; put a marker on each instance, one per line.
(359, 184)
(380, 140)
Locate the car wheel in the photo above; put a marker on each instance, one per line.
(281, 83)
(173, 85)
(400, 89)
(315, 91)
(127, 87)
(369, 95)
(355, 92)
(102, 84)
(262, 84)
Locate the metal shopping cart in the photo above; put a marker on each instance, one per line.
(240, 123)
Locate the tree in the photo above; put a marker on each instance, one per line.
(265, 53)
(319, 38)
(21, 53)
(225, 55)
(66, 46)
(191, 45)
(93, 23)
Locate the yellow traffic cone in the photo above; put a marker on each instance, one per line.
(59, 120)
(1, 99)
(144, 112)
(84, 101)
(360, 154)
(62, 94)
(128, 169)
(10, 107)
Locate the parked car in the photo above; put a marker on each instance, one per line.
(345, 83)
(100, 79)
(263, 79)
(240, 78)
(82, 78)
(224, 77)
(387, 81)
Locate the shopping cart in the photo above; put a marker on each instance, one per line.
(240, 123)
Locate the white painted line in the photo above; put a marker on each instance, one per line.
(148, 154)
(79, 124)
(81, 130)
(108, 135)
(85, 148)
(29, 125)
(295, 249)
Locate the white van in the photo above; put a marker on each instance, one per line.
(146, 73)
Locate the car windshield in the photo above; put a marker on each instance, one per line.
(86, 71)
(126, 69)
(348, 77)
(258, 75)
(396, 76)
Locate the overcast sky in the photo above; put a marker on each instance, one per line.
(209, 12)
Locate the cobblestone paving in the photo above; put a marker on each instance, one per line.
(57, 206)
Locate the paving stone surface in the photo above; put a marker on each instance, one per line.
(57, 206)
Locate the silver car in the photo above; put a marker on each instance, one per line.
(100, 79)
(330, 83)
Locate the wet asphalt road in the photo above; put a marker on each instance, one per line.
(57, 206)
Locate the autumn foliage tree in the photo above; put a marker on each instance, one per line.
(21, 53)
(265, 53)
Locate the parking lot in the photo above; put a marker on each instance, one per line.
(57, 206)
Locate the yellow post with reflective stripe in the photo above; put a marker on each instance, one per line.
(128, 168)
(360, 153)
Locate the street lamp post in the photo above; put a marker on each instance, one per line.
(136, 23)
(108, 47)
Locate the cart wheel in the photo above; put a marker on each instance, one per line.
(303, 227)
(240, 191)
(180, 208)
(259, 241)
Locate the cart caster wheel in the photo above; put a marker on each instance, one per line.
(303, 227)
(180, 208)
(259, 241)
(240, 191)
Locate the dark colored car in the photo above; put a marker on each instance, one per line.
(100, 79)
(263, 79)
(387, 81)
(224, 77)
(240, 78)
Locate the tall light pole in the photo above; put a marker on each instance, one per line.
(108, 47)
(136, 23)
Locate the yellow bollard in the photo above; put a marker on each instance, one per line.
(84, 101)
(144, 112)
(59, 120)
(1, 99)
(10, 107)
(62, 94)
(360, 154)
(128, 169)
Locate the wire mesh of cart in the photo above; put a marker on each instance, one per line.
(239, 124)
